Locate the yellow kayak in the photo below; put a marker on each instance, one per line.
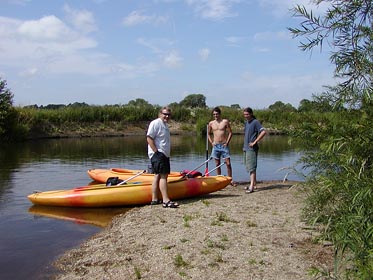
(101, 175)
(127, 194)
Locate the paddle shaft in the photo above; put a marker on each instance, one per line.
(207, 149)
(206, 161)
(130, 178)
(214, 168)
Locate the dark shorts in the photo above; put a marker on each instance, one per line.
(160, 163)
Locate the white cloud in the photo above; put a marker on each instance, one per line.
(82, 20)
(45, 44)
(213, 9)
(129, 71)
(172, 60)
(156, 45)
(137, 17)
(29, 72)
(234, 41)
(204, 54)
(46, 28)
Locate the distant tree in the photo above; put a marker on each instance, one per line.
(194, 101)
(78, 104)
(319, 104)
(280, 106)
(236, 106)
(139, 102)
(305, 105)
(53, 106)
(8, 115)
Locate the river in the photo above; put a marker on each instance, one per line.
(31, 238)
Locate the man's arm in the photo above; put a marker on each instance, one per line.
(209, 134)
(260, 136)
(151, 143)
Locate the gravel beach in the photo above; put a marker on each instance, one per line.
(224, 235)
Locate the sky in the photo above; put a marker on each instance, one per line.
(114, 51)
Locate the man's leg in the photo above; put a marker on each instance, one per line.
(163, 187)
(217, 163)
(155, 187)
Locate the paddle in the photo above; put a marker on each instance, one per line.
(206, 161)
(208, 172)
(130, 178)
(207, 149)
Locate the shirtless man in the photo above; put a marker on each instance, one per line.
(222, 132)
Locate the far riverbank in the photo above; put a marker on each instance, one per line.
(114, 129)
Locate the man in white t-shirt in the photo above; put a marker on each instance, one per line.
(159, 149)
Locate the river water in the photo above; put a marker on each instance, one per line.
(31, 238)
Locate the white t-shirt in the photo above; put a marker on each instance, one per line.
(159, 132)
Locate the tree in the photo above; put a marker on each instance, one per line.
(280, 106)
(8, 115)
(139, 102)
(236, 106)
(340, 144)
(194, 101)
(319, 104)
(349, 23)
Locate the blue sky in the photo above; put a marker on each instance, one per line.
(110, 52)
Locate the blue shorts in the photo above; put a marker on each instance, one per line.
(220, 151)
(160, 163)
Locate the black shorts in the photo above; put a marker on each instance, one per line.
(160, 163)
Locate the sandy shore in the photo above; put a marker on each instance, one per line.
(225, 235)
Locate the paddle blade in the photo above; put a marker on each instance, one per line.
(207, 172)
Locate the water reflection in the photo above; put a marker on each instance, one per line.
(95, 216)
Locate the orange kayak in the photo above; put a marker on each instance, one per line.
(101, 175)
(137, 193)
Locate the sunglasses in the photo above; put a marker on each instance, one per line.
(166, 114)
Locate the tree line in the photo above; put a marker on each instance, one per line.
(20, 123)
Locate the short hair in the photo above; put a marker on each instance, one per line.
(165, 108)
(217, 109)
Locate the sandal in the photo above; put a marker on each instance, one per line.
(250, 190)
(170, 204)
(155, 202)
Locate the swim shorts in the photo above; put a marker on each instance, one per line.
(160, 163)
(251, 160)
(220, 151)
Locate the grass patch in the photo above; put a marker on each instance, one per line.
(213, 244)
(206, 202)
(251, 224)
(137, 273)
(187, 219)
(220, 218)
(179, 261)
(168, 247)
(224, 237)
